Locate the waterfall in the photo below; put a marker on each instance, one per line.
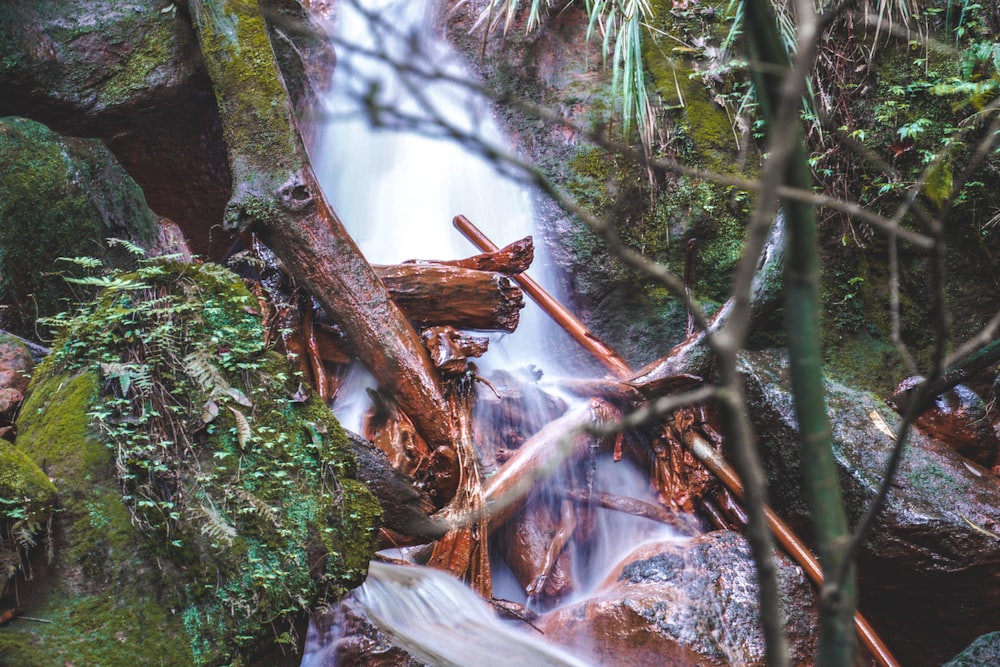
(396, 188)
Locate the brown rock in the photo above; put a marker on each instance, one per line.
(684, 603)
(959, 419)
(15, 364)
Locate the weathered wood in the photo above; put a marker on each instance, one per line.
(275, 192)
(433, 294)
(511, 259)
(628, 505)
(601, 351)
(561, 440)
(464, 550)
(450, 349)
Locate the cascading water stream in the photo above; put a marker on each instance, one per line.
(397, 190)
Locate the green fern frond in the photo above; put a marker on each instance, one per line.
(215, 527)
(132, 248)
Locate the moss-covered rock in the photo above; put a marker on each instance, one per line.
(62, 197)
(206, 507)
(27, 500)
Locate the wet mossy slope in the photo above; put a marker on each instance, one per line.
(206, 505)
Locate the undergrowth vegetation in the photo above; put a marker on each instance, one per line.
(227, 467)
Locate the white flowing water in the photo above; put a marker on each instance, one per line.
(397, 188)
(397, 192)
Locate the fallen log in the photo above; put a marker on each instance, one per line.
(435, 294)
(562, 440)
(601, 351)
(635, 507)
(511, 259)
(275, 192)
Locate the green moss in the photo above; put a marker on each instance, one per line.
(57, 426)
(238, 515)
(148, 52)
(238, 54)
(120, 630)
(22, 480)
(62, 198)
(27, 500)
(690, 97)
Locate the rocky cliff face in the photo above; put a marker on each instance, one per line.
(130, 73)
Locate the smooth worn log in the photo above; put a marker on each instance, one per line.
(628, 505)
(562, 440)
(275, 192)
(432, 294)
(511, 259)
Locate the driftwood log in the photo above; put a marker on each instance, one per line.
(511, 259)
(437, 294)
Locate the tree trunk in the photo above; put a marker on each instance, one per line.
(275, 192)
(802, 313)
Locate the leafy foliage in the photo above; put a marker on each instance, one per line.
(620, 24)
(217, 457)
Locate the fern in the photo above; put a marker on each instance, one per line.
(132, 248)
(200, 367)
(215, 527)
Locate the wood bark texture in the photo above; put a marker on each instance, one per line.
(276, 193)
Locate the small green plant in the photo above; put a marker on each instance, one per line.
(620, 24)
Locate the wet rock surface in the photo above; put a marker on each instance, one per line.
(958, 418)
(684, 603)
(346, 635)
(131, 74)
(928, 571)
(984, 651)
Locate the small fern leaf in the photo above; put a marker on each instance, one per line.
(216, 527)
(239, 397)
(128, 245)
(242, 427)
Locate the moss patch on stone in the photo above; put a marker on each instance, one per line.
(196, 484)
(63, 197)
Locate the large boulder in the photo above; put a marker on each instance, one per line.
(206, 506)
(690, 602)
(130, 72)
(928, 569)
(62, 197)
